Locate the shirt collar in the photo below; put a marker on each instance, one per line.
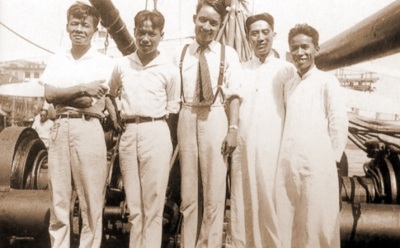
(90, 53)
(212, 46)
(159, 60)
(310, 71)
(269, 58)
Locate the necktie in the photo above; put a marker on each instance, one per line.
(204, 90)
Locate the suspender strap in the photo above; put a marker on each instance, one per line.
(220, 77)
(180, 70)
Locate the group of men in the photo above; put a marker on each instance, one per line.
(284, 130)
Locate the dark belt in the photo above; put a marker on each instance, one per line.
(78, 115)
(142, 119)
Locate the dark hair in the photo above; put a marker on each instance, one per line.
(215, 4)
(81, 11)
(156, 18)
(304, 29)
(264, 17)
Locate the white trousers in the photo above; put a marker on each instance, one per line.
(308, 203)
(77, 154)
(200, 135)
(144, 153)
(254, 221)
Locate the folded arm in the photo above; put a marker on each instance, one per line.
(79, 96)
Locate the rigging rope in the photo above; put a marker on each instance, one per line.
(27, 40)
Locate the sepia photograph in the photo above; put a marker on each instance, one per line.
(199, 124)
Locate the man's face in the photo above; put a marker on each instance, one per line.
(303, 52)
(261, 37)
(81, 31)
(207, 23)
(43, 116)
(147, 38)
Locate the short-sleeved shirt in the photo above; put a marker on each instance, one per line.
(152, 90)
(232, 71)
(63, 71)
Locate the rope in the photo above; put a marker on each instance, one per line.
(25, 39)
(155, 4)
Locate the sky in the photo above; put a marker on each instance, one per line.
(43, 22)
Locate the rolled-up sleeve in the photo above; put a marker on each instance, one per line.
(174, 91)
(115, 82)
(233, 74)
(49, 75)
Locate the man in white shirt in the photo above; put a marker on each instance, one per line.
(76, 83)
(205, 135)
(262, 115)
(43, 126)
(314, 138)
(149, 85)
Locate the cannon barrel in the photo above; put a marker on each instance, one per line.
(375, 37)
(112, 21)
(370, 222)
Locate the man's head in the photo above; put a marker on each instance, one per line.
(43, 115)
(148, 31)
(208, 20)
(303, 45)
(260, 33)
(82, 23)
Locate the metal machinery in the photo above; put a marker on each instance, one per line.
(24, 198)
(370, 209)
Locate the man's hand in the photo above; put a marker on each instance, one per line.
(230, 142)
(95, 89)
(119, 127)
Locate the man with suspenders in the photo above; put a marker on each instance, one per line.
(205, 135)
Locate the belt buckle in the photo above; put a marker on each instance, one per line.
(86, 117)
(137, 119)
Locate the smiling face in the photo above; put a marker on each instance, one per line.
(207, 23)
(147, 39)
(261, 37)
(81, 30)
(303, 51)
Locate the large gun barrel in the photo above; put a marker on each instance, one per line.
(112, 21)
(374, 37)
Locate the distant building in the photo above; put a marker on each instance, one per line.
(7, 79)
(20, 70)
(21, 108)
